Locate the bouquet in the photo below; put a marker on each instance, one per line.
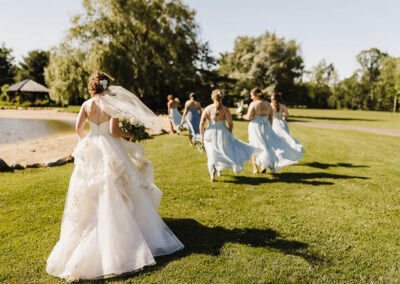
(199, 144)
(241, 109)
(137, 130)
(180, 129)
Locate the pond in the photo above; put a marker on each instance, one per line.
(17, 130)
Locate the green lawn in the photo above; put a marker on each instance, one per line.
(69, 108)
(374, 119)
(334, 217)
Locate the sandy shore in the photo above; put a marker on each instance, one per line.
(46, 148)
(38, 114)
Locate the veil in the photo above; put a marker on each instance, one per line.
(121, 103)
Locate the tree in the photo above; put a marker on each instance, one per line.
(149, 46)
(321, 87)
(371, 61)
(7, 67)
(267, 61)
(67, 76)
(389, 83)
(32, 66)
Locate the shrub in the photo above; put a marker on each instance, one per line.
(26, 104)
(4, 97)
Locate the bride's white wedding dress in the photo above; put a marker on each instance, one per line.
(110, 224)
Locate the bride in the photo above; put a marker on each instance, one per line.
(110, 224)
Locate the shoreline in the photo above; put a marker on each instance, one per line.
(47, 148)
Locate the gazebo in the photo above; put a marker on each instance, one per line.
(29, 90)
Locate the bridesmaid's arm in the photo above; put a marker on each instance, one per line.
(203, 119)
(169, 108)
(228, 117)
(271, 114)
(184, 113)
(286, 112)
(116, 131)
(80, 122)
(250, 113)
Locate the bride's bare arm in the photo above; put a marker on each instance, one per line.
(80, 122)
(115, 130)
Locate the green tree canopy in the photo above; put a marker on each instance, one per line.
(7, 67)
(149, 46)
(267, 62)
(32, 66)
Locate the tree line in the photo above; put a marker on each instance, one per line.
(153, 49)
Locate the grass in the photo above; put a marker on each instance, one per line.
(69, 108)
(334, 217)
(374, 119)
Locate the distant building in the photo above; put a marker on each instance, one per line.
(28, 90)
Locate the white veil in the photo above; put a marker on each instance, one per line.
(121, 103)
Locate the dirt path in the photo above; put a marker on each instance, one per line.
(380, 131)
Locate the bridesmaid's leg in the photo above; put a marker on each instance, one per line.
(255, 167)
(190, 139)
(172, 127)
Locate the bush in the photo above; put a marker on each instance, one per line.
(4, 97)
(26, 104)
(45, 102)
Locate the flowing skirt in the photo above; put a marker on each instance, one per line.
(224, 151)
(176, 118)
(193, 122)
(110, 224)
(281, 128)
(276, 153)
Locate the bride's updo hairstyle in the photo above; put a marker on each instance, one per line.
(217, 96)
(99, 82)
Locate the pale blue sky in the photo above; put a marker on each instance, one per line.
(334, 30)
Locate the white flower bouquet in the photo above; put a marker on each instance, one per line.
(242, 109)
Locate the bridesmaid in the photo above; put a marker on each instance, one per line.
(276, 153)
(280, 126)
(174, 115)
(223, 150)
(192, 113)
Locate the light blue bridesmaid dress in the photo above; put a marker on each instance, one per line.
(281, 128)
(223, 150)
(193, 121)
(176, 118)
(276, 153)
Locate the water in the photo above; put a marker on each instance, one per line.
(17, 130)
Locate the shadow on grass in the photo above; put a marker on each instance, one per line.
(326, 166)
(300, 117)
(200, 239)
(303, 178)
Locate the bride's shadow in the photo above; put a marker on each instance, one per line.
(200, 239)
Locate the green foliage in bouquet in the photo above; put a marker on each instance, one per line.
(137, 130)
(199, 145)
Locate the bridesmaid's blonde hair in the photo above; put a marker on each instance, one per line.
(217, 96)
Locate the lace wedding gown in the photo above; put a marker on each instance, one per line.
(110, 224)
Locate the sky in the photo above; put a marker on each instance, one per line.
(332, 30)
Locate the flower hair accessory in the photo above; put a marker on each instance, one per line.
(104, 83)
